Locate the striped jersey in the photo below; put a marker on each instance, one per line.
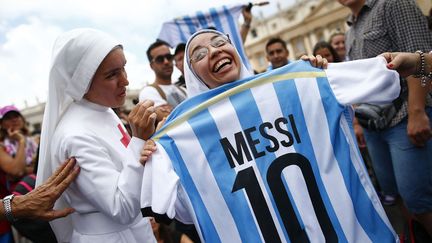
(273, 158)
(223, 19)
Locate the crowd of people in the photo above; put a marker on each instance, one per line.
(103, 174)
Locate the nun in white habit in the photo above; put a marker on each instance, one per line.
(87, 79)
(211, 61)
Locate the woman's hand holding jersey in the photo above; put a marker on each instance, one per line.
(142, 120)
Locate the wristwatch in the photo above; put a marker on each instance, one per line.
(7, 203)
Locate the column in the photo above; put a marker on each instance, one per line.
(291, 51)
(313, 38)
(326, 34)
(307, 44)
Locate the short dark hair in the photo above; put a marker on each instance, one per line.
(274, 40)
(180, 48)
(325, 44)
(154, 45)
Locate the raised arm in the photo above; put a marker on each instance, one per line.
(247, 19)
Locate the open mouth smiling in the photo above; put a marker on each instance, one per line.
(220, 64)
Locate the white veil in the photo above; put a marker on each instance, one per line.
(194, 85)
(76, 56)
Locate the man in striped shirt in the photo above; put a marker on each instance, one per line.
(401, 152)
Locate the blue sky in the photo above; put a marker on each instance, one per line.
(28, 29)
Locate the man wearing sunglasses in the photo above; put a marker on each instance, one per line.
(162, 91)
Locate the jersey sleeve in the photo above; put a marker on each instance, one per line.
(363, 81)
(159, 186)
(113, 192)
(150, 93)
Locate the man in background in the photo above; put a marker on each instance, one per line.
(162, 91)
(401, 152)
(277, 53)
(178, 60)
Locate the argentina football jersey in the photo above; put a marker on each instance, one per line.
(273, 158)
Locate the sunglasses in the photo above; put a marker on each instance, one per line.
(201, 52)
(161, 58)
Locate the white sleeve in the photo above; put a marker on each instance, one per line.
(183, 206)
(363, 81)
(114, 192)
(150, 93)
(160, 184)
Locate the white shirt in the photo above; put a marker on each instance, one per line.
(174, 95)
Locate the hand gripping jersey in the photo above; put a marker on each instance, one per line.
(273, 158)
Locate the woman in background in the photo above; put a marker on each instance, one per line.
(17, 153)
(337, 41)
(325, 50)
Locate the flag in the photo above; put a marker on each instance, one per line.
(273, 158)
(224, 19)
